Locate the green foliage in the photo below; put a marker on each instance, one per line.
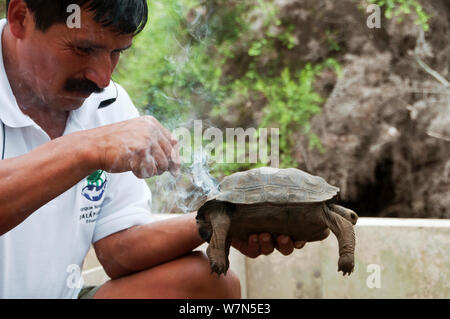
(332, 43)
(289, 94)
(147, 70)
(168, 69)
(2, 9)
(292, 102)
(180, 68)
(398, 8)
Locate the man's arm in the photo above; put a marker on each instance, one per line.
(28, 182)
(32, 180)
(143, 247)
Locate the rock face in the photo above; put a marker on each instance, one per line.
(386, 124)
(386, 140)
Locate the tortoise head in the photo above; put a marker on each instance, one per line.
(348, 214)
(203, 221)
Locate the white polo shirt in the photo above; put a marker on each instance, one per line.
(42, 257)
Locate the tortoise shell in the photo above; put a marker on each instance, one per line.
(267, 184)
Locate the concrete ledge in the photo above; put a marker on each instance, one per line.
(403, 222)
(395, 258)
(93, 273)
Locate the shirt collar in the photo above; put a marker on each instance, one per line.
(10, 113)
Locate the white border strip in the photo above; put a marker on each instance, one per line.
(372, 221)
(91, 270)
(403, 222)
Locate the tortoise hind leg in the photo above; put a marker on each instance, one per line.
(219, 245)
(343, 230)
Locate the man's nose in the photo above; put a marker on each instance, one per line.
(99, 71)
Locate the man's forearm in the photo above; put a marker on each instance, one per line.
(146, 246)
(42, 174)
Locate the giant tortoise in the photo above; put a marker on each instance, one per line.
(276, 201)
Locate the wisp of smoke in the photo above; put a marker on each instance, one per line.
(186, 191)
(194, 183)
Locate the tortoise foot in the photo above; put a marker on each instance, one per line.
(217, 260)
(346, 264)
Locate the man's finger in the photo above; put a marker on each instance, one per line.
(160, 157)
(249, 248)
(299, 244)
(165, 145)
(285, 245)
(144, 171)
(175, 160)
(267, 246)
(253, 248)
(172, 151)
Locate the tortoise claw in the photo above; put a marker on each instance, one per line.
(346, 264)
(348, 272)
(218, 269)
(218, 261)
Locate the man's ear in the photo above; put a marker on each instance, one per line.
(17, 16)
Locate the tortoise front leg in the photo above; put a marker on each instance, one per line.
(343, 229)
(219, 245)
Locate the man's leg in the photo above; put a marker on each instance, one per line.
(186, 277)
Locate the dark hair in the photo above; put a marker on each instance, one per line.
(122, 16)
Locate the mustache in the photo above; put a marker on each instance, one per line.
(82, 86)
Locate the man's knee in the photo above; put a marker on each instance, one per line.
(187, 277)
(198, 272)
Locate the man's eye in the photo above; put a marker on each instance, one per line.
(85, 50)
(118, 52)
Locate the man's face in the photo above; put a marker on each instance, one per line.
(62, 67)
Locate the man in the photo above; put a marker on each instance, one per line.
(73, 145)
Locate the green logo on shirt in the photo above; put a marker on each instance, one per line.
(96, 178)
(95, 186)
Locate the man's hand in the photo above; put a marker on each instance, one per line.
(140, 145)
(262, 244)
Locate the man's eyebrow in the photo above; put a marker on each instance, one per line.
(93, 45)
(90, 44)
